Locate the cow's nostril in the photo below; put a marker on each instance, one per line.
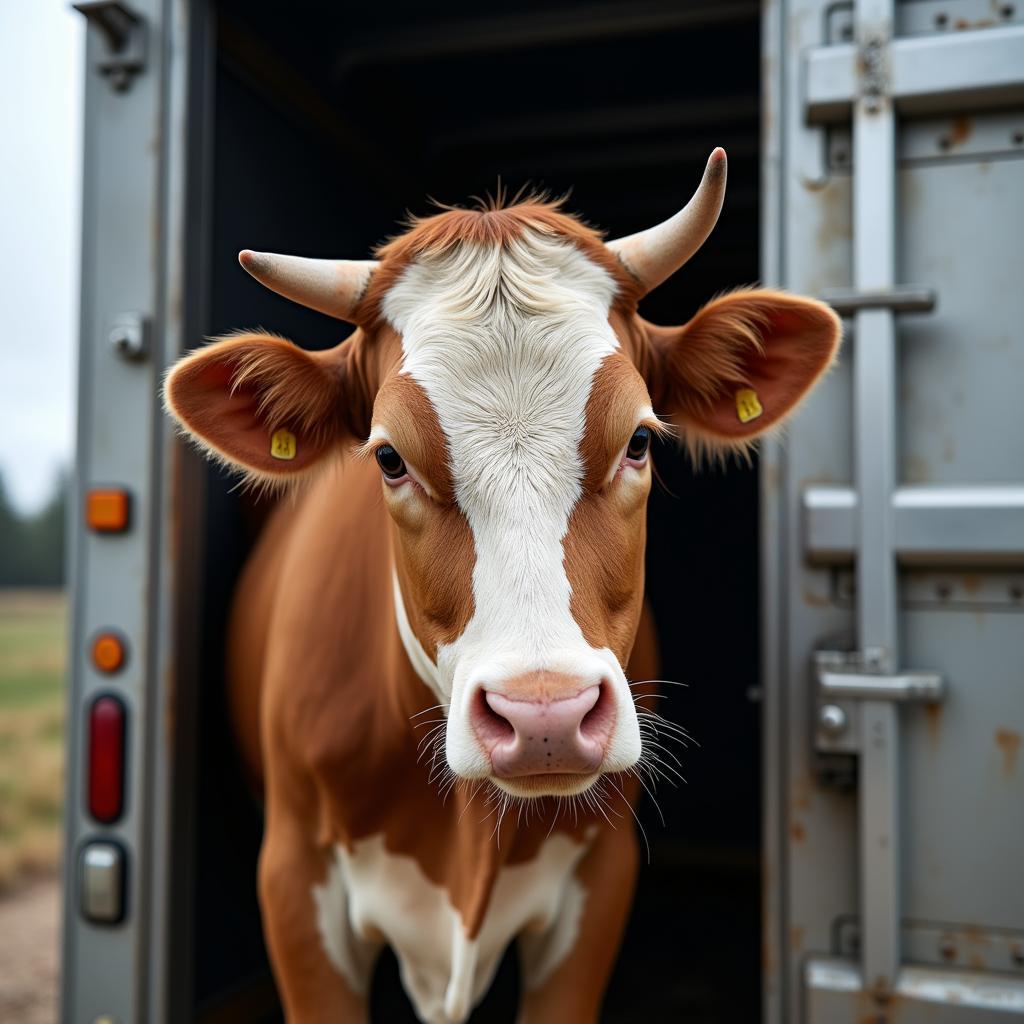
(598, 720)
(490, 725)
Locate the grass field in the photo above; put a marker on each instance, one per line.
(33, 630)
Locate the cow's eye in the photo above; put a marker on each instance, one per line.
(392, 465)
(639, 444)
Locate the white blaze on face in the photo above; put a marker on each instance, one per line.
(505, 341)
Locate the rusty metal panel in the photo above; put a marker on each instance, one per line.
(959, 203)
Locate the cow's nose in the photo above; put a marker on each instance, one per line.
(544, 737)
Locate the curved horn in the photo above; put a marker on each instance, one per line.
(654, 255)
(333, 287)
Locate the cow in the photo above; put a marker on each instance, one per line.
(432, 647)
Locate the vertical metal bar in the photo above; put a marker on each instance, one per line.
(772, 540)
(874, 216)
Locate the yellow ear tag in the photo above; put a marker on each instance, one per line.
(282, 445)
(748, 406)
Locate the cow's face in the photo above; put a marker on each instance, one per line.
(503, 383)
(513, 447)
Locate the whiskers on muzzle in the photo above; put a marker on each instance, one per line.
(662, 741)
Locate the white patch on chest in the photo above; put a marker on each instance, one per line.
(372, 896)
(505, 341)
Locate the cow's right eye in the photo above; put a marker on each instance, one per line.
(392, 465)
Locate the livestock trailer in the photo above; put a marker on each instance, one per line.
(848, 610)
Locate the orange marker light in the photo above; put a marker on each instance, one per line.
(108, 652)
(106, 509)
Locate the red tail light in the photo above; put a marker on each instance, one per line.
(106, 759)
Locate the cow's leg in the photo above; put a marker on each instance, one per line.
(303, 902)
(574, 990)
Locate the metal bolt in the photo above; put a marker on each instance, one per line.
(1018, 138)
(1016, 591)
(943, 590)
(832, 719)
(846, 33)
(1007, 10)
(940, 20)
(947, 948)
(944, 142)
(128, 336)
(1017, 954)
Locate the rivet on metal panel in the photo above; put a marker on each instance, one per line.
(832, 719)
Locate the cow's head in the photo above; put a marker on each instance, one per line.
(508, 390)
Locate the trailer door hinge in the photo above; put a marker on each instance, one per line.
(124, 35)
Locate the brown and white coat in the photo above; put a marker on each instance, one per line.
(486, 581)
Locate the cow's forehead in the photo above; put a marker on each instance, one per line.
(532, 274)
(505, 341)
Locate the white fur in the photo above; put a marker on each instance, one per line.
(372, 895)
(505, 341)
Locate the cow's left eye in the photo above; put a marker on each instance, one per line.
(391, 463)
(639, 444)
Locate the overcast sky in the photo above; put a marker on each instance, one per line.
(40, 169)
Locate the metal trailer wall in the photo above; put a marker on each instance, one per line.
(314, 133)
(893, 529)
(140, 266)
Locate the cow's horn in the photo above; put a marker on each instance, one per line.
(333, 287)
(654, 255)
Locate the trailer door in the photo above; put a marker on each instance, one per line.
(893, 516)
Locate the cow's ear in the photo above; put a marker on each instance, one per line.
(263, 405)
(740, 366)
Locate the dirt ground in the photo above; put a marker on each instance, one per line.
(29, 944)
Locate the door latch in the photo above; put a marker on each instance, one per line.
(124, 35)
(844, 680)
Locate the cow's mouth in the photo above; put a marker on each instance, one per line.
(533, 787)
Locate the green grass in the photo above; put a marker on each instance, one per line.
(33, 641)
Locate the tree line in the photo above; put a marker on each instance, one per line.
(32, 546)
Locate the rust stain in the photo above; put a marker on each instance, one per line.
(802, 796)
(796, 938)
(962, 24)
(916, 470)
(933, 722)
(972, 584)
(960, 131)
(797, 832)
(813, 600)
(1008, 741)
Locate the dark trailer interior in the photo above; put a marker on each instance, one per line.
(328, 122)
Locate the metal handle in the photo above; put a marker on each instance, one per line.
(906, 686)
(901, 299)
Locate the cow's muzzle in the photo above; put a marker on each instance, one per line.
(559, 736)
